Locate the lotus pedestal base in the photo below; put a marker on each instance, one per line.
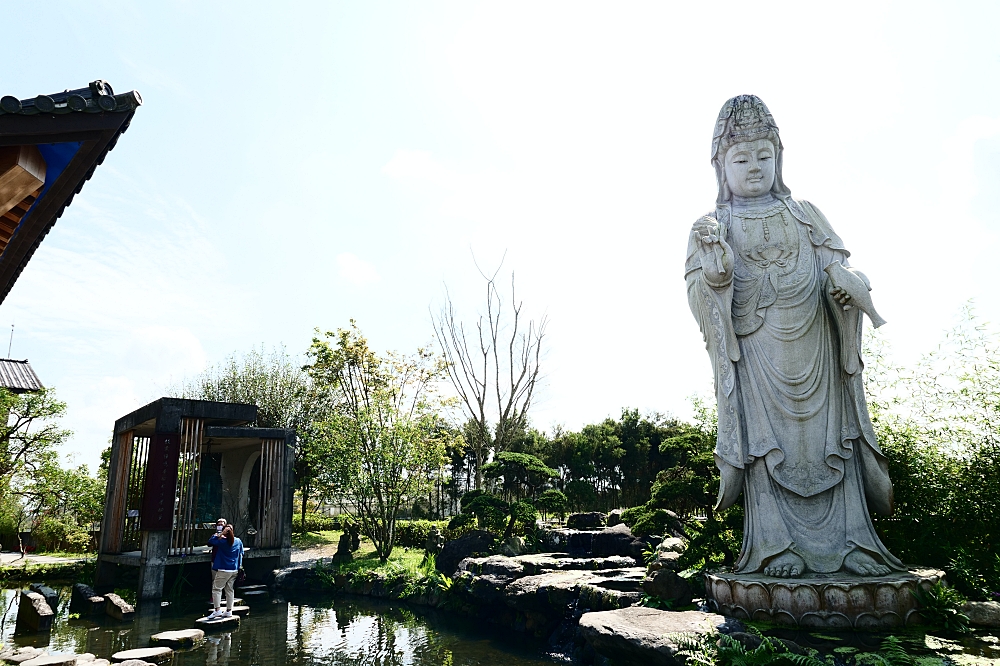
(821, 600)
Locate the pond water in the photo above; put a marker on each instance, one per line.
(309, 630)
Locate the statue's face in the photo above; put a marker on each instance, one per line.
(750, 168)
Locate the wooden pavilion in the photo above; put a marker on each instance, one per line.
(176, 466)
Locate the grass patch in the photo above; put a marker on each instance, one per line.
(402, 561)
(316, 539)
(69, 571)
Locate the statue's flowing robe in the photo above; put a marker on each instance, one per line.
(791, 404)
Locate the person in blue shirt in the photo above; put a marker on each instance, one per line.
(226, 563)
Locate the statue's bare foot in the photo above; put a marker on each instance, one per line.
(786, 565)
(862, 564)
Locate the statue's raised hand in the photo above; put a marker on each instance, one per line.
(716, 255)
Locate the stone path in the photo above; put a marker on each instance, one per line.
(16, 560)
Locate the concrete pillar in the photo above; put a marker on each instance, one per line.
(152, 566)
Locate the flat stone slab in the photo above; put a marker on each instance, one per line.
(217, 624)
(177, 639)
(243, 589)
(50, 660)
(644, 635)
(822, 600)
(242, 611)
(21, 654)
(151, 654)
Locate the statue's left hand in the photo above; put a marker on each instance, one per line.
(841, 296)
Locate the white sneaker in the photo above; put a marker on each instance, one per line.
(215, 615)
(227, 614)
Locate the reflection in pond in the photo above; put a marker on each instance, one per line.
(313, 630)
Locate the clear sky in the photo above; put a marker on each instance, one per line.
(296, 165)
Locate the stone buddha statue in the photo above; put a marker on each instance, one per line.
(794, 433)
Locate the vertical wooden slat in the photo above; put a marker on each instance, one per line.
(136, 484)
(186, 494)
(269, 492)
(115, 522)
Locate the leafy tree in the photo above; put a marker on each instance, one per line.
(522, 474)
(580, 494)
(494, 514)
(939, 426)
(553, 501)
(30, 433)
(383, 434)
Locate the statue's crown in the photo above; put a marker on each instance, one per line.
(743, 118)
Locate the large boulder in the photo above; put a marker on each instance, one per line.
(118, 608)
(51, 596)
(672, 545)
(85, 600)
(495, 565)
(587, 521)
(296, 578)
(33, 613)
(647, 636)
(983, 613)
(579, 543)
(665, 560)
(615, 518)
(667, 585)
(477, 542)
(617, 540)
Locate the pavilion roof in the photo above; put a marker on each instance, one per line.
(18, 376)
(50, 146)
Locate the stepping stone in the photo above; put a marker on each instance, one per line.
(33, 613)
(256, 595)
(129, 662)
(242, 611)
(177, 639)
(218, 624)
(151, 654)
(251, 588)
(21, 654)
(49, 660)
(117, 607)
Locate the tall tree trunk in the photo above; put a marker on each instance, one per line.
(305, 503)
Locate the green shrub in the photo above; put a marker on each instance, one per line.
(60, 534)
(317, 523)
(941, 606)
(414, 533)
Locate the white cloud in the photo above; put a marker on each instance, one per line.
(355, 270)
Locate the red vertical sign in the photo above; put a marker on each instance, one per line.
(161, 483)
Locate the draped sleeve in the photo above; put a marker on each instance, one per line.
(712, 309)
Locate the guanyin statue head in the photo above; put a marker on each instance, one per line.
(747, 150)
